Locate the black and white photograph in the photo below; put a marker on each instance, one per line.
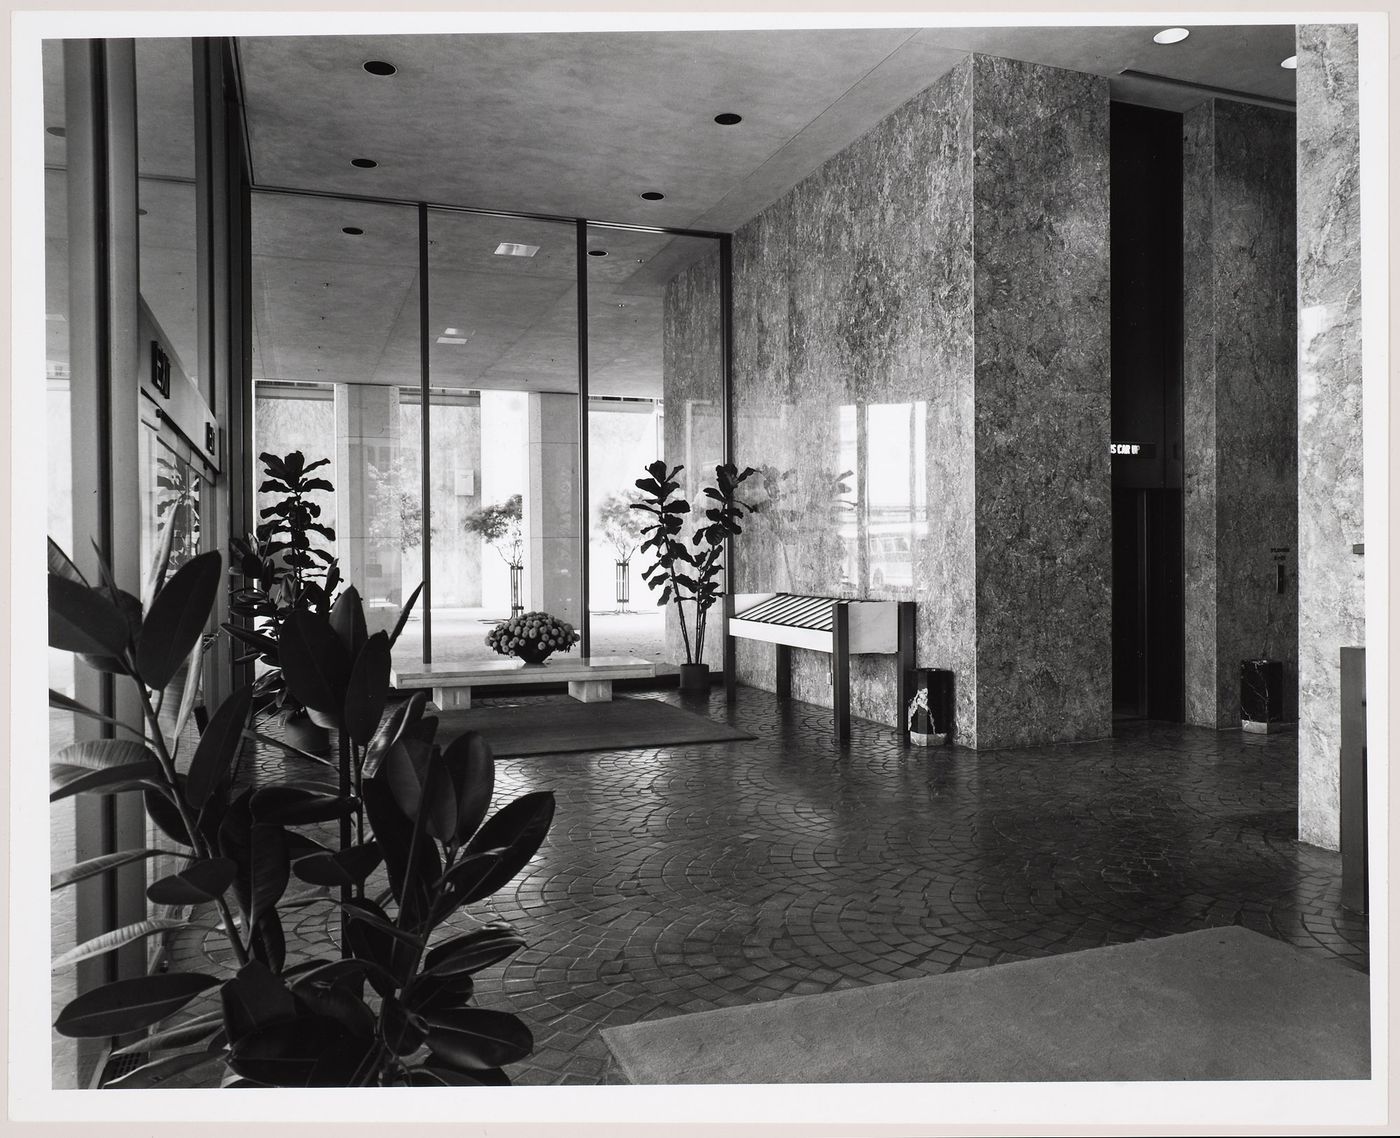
(808, 568)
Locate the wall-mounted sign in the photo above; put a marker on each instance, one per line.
(160, 369)
(1136, 450)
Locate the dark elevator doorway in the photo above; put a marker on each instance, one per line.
(1145, 237)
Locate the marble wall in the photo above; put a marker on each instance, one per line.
(921, 368)
(1240, 396)
(1331, 578)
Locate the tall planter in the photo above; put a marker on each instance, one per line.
(695, 677)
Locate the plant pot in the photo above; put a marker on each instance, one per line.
(533, 655)
(304, 735)
(695, 677)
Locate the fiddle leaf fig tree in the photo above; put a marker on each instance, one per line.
(394, 1008)
(689, 572)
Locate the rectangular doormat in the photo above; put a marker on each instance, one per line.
(1222, 1003)
(546, 725)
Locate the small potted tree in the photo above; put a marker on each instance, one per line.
(689, 573)
(624, 529)
(500, 526)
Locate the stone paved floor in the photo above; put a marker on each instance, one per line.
(683, 879)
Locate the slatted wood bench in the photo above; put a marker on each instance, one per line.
(590, 679)
(839, 627)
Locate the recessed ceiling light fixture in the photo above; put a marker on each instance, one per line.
(364, 163)
(1170, 35)
(597, 252)
(452, 331)
(652, 196)
(58, 131)
(729, 119)
(140, 212)
(353, 230)
(1291, 63)
(513, 249)
(379, 67)
(451, 339)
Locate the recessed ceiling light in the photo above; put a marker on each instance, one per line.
(1291, 63)
(597, 252)
(140, 212)
(452, 331)
(58, 131)
(452, 339)
(364, 163)
(353, 230)
(513, 249)
(728, 119)
(379, 67)
(652, 196)
(1170, 35)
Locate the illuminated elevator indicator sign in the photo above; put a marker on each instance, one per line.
(1140, 450)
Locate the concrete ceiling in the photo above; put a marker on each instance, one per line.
(579, 125)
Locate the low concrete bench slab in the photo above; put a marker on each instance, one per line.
(590, 679)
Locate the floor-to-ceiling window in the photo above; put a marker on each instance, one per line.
(383, 332)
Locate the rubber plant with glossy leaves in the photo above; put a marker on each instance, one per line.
(395, 1007)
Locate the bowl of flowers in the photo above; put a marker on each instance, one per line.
(532, 636)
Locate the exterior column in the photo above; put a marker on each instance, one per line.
(367, 518)
(1331, 574)
(552, 532)
(1240, 499)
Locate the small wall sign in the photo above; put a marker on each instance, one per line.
(160, 369)
(1135, 450)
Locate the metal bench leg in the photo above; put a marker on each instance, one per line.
(453, 699)
(782, 676)
(904, 662)
(841, 670)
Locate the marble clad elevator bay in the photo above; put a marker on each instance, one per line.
(946, 276)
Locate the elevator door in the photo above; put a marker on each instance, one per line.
(1148, 613)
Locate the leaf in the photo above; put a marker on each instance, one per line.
(394, 832)
(269, 942)
(103, 863)
(390, 730)
(441, 798)
(68, 781)
(66, 703)
(193, 673)
(519, 826)
(166, 816)
(342, 867)
(62, 565)
(297, 806)
(405, 771)
(103, 754)
(472, 951)
(217, 747)
(270, 868)
(255, 999)
(465, 882)
(427, 1076)
(82, 619)
(312, 1051)
(202, 881)
(473, 768)
(475, 1039)
(110, 941)
(161, 1071)
(337, 1000)
(348, 622)
(313, 662)
(130, 1005)
(176, 619)
(403, 616)
(367, 689)
(403, 1029)
(182, 1035)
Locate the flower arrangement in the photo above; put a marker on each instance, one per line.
(532, 636)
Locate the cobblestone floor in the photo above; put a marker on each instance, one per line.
(682, 879)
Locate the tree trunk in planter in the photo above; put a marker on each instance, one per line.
(695, 677)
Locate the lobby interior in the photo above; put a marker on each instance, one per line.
(1052, 333)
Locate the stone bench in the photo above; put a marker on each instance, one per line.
(590, 679)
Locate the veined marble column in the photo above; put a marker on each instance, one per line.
(367, 520)
(552, 509)
(1240, 396)
(1331, 577)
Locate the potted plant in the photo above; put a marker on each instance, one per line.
(283, 570)
(532, 637)
(624, 530)
(690, 573)
(500, 526)
(393, 1007)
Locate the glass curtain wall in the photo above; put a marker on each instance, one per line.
(504, 449)
(656, 391)
(336, 377)
(339, 342)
